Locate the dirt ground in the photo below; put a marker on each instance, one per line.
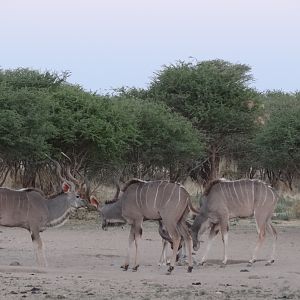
(84, 263)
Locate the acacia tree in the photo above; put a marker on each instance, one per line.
(40, 114)
(24, 121)
(215, 96)
(161, 141)
(278, 142)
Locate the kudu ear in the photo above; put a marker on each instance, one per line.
(94, 202)
(66, 187)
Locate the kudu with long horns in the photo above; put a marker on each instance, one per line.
(31, 210)
(223, 200)
(155, 200)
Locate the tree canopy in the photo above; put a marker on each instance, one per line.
(192, 116)
(216, 97)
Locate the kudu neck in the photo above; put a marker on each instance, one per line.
(112, 210)
(59, 210)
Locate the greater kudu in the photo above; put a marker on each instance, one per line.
(111, 214)
(156, 200)
(223, 200)
(31, 210)
(111, 210)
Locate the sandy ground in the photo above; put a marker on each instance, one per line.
(84, 263)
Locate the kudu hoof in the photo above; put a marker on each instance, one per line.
(134, 269)
(125, 267)
(171, 268)
(190, 269)
(250, 263)
(269, 263)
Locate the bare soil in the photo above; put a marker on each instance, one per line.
(84, 263)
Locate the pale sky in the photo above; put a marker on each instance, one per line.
(115, 43)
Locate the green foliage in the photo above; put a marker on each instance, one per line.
(42, 114)
(216, 97)
(25, 78)
(287, 208)
(159, 137)
(213, 94)
(191, 116)
(279, 140)
(24, 120)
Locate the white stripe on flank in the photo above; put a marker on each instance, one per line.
(146, 195)
(171, 194)
(253, 192)
(136, 198)
(154, 204)
(178, 196)
(260, 194)
(27, 214)
(274, 197)
(242, 192)
(266, 193)
(246, 192)
(230, 190)
(163, 192)
(224, 196)
(141, 196)
(237, 198)
(227, 191)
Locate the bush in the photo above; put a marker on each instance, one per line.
(296, 209)
(286, 209)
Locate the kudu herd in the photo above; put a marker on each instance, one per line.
(31, 210)
(163, 201)
(169, 203)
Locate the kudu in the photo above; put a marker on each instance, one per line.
(111, 210)
(155, 200)
(224, 200)
(31, 210)
(111, 214)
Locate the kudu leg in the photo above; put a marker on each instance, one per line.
(212, 236)
(39, 249)
(182, 253)
(224, 233)
(273, 232)
(163, 256)
(137, 236)
(130, 242)
(261, 237)
(188, 243)
(171, 228)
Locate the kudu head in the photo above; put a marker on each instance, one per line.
(97, 204)
(70, 187)
(200, 225)
(102, 208)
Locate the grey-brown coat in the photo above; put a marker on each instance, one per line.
(224, 199)
(156, 200)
